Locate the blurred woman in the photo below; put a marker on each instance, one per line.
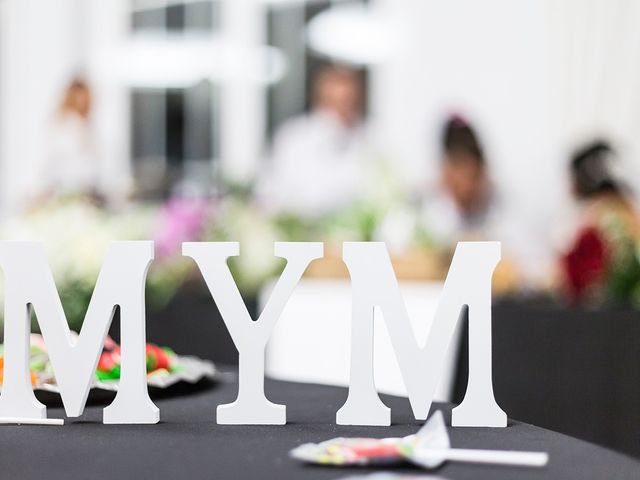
(72, 167)
(463, 205)
(601, 263)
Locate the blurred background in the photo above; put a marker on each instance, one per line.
(416, 123)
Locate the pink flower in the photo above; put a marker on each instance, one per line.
(180, 220)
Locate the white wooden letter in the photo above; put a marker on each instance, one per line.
(29, 282)
(468, 284)
(250, 337)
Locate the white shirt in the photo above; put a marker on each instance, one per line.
(449, 224)
(72, 164)
(316, 166)
(499, 221)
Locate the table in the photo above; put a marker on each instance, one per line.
(188, 444)
(563, 352)
(572, 370)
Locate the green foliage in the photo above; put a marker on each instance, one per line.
(622, 282)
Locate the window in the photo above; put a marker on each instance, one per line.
(174, 139)
(286, 30)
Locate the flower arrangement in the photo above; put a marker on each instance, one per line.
(240, 220)
(603, 266)
(86, 230)
(80, 226)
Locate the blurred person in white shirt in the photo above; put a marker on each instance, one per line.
(316, 158)
(72, 165)
(464, 204)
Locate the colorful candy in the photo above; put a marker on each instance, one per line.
(351, 451)
(34, 378)
(159, 360)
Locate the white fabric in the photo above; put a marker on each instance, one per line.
(593, 57)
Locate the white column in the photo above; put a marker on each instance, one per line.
(396, 102)
(242, 103)
(106, 29)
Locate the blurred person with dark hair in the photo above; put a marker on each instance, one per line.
(601, 263)
(316, 158)
(72, 165)
(462, 206)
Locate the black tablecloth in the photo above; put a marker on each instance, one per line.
(189, 444)
(572, 370)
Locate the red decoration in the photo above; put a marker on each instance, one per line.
(585, 265)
